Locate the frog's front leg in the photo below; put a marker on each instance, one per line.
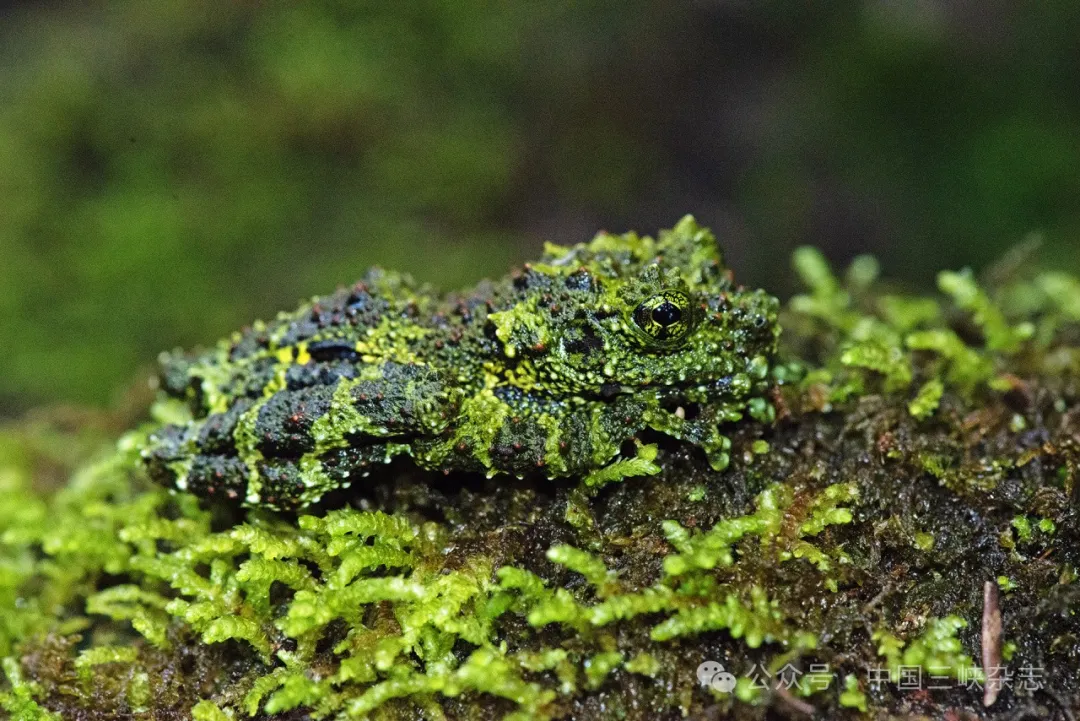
(618, 423)
(702, 430)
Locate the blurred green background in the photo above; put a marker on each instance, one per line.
(170, 170)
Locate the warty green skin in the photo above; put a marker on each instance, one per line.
(549, 371)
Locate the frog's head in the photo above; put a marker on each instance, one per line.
(624, 313)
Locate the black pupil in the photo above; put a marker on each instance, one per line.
(666, 314)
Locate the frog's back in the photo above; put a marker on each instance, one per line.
(323, 340)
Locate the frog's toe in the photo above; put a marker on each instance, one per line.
(643, 464)
(719, 461)
(719, 453)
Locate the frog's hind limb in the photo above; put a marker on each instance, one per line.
(290, 447)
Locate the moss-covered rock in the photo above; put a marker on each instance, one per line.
(925, 446)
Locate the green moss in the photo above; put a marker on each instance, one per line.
(19, 698)
(852, 696)
(756, 619)
(697, 493)
(644, 663)
(928, 398)
(210, 711)
(936, 651)
(1023, 527)
(924, 541)
(883, 502)
(600, 666)
(999, 334)
(888, 360)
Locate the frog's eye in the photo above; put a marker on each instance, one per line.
(665, 317)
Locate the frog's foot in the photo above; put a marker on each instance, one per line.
(706, 433)
(703, 431)
(643, 464)
(578, 511)
(718, 452)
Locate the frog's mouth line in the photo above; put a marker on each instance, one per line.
(670, 395)
(674, 401)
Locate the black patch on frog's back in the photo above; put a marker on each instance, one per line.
(249, 343)
(165, 447)
(581, 281)
(282, 485)
(299, 330)
(582, 340)
(173, 376)
(333, 349)
(343, 310)
(356, 459)
(216, 434)
(249, 380)
(399, 400)
(284, 423)
(318, 374)
(519, 446)
(218, 476)
(364, 309)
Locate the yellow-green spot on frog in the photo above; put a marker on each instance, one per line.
(549, 371)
